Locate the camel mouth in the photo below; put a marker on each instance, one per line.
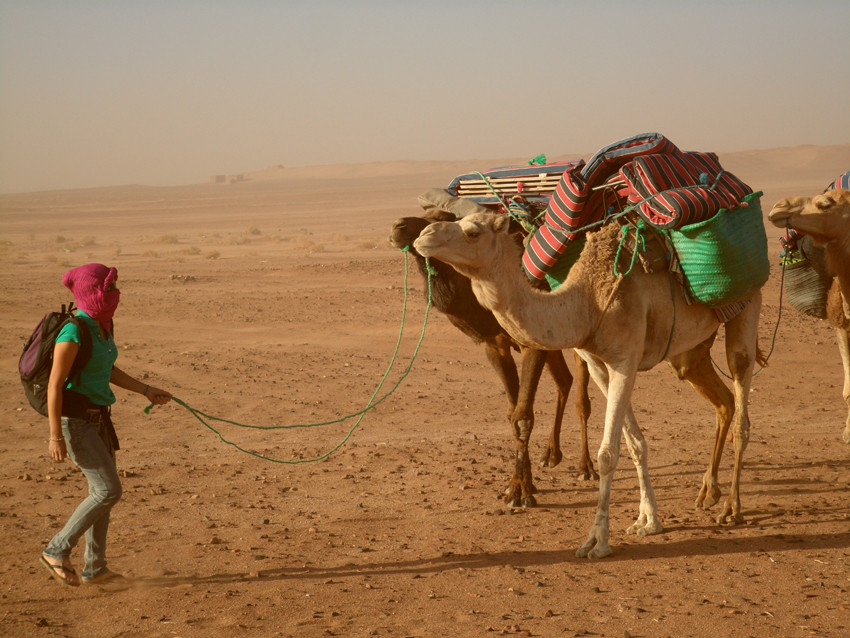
(423, 246)
(779, 215)
(397, 242)
(426, 244)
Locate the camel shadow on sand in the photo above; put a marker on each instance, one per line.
(420, 567)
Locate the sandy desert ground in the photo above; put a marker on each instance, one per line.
(278, 301)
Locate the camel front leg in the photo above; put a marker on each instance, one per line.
(844, 349)
(499, 355)
(617, 386)
(521, 490)
(563, 379)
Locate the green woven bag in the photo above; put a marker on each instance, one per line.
(725, 258)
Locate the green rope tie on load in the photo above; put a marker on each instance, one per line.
(537, 161)
(204, 417)
(517, 212)
(640, 246)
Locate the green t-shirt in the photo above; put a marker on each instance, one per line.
(95, 375)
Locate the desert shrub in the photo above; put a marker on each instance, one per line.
(168, 239)
(309, 245)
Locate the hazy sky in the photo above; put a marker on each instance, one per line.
(172, 91)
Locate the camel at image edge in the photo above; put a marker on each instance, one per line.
(619, 326)
(451, 294)
(825, 218)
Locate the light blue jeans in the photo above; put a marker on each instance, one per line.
(87, 448)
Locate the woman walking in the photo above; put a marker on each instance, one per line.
(80, 423)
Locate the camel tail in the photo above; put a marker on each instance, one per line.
(761, 357)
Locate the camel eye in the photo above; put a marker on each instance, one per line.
(471, 231)
(823, 202)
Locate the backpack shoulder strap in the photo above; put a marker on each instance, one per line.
(85, 351)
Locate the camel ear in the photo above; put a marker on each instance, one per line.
(501, 223)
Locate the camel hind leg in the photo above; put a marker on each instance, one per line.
(695, 366)
(557, 367)
(586, 471)
(741, 355)
(560, 373)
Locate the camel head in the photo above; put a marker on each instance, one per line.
(824, 217)
(469, 244)
(406, 229)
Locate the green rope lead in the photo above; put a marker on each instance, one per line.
(202, 417)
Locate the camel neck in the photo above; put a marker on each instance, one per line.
(533, 317)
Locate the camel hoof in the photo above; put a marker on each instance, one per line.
(596, 545)
(591, 549)
(551, 458)
(513, 500)
(731, 519)
(645, 528)
(588, 474)
(707, 498)
(529, 501)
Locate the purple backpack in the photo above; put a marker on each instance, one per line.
(36, 360)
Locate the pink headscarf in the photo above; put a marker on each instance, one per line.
(89, 285)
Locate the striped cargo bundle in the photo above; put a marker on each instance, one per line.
(669, 188)
(682, 188)
(579, 201)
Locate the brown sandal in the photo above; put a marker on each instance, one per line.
(61, 572)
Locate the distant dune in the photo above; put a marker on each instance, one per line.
(793, 167)
(798, 163)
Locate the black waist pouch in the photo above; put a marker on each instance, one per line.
(79, 406)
